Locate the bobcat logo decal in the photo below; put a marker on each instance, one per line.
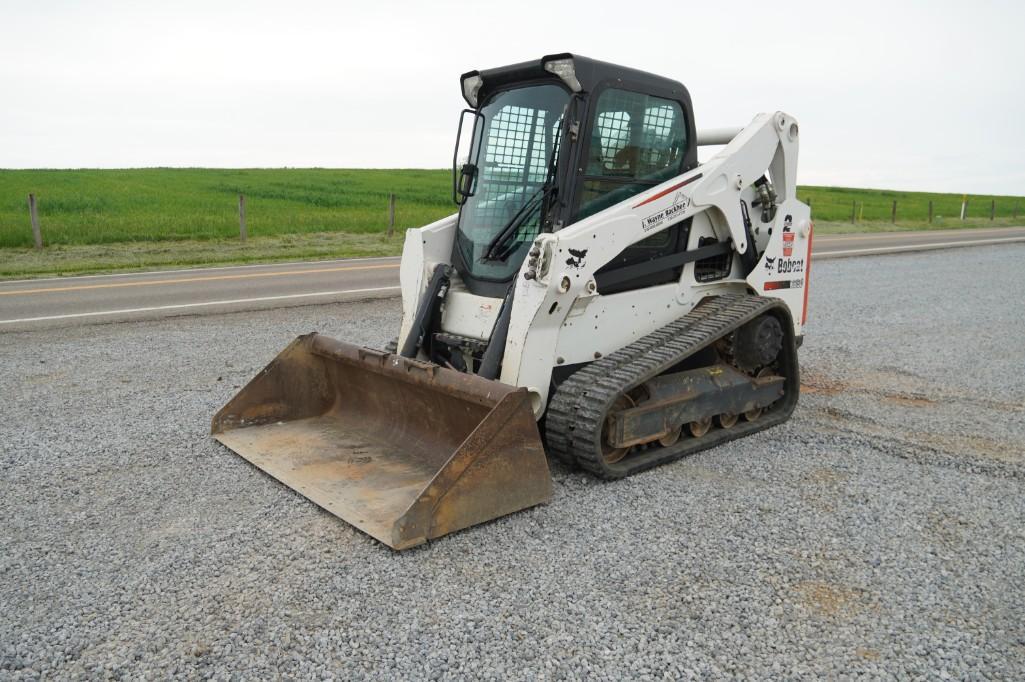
(577, 258)
(770, 263)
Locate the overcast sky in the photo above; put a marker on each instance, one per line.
(904, 95)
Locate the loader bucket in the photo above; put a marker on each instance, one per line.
(404, 450)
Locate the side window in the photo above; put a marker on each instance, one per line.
(637, 141)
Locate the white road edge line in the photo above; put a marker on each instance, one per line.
(179, 306)
(824, 238)
(912, 234)
(915, 247)
(172, 271)
(236, 301)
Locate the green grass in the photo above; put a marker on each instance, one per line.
(163, 204)
(874, 206)
(80, 259)
(105, 220)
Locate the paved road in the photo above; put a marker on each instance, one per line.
(844, 245)
(64, 301)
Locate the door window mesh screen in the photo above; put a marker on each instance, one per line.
(521, 130)
(517, 147)
(516, 143)
(662, 146)
(612, 135)
(637, 141)
(635, 135)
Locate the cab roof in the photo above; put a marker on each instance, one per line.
(589, 72)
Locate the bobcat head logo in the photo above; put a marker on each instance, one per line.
(770, 263)
(577, 258)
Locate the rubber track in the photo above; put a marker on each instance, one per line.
(562, 409)
(577, 411)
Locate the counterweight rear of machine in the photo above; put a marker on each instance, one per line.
(404, 450)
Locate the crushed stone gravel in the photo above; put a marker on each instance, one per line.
(880, 532)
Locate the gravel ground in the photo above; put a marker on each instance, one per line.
(878, 532)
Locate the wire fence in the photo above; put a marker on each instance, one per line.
(243, 231)
(838, 206)
(827, 204)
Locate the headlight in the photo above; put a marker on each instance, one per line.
(564, 69)
(471, 86)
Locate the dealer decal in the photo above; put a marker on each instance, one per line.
(680, 204)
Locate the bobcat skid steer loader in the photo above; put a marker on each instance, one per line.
(598, 286)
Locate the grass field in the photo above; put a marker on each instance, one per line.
(106, 206)
(98, 220)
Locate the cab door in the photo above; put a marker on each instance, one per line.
(634, 141)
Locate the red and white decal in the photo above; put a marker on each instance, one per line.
(807, 276)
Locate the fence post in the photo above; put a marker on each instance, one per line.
(1015, 209)
(37, 235)
(243, 233)
(854, 210)
(964, 207)
(893, 213)
(391, 215)
(992, 208)
(930, 210)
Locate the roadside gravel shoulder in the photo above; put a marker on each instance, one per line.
(879, 532)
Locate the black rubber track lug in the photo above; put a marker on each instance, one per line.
(578, 409)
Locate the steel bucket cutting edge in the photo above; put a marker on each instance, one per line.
(404, 450)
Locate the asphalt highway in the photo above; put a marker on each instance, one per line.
(68, 301)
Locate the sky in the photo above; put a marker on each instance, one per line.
(903, 95)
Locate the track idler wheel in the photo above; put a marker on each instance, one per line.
(758, 343)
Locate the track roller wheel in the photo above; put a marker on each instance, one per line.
(754, 414)
(578, 419)
(700, 427)
(670, 438)
(610, 454)
(726, 420)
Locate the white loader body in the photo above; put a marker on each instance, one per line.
(560, 316)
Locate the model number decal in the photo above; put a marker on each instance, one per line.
(784, 284)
